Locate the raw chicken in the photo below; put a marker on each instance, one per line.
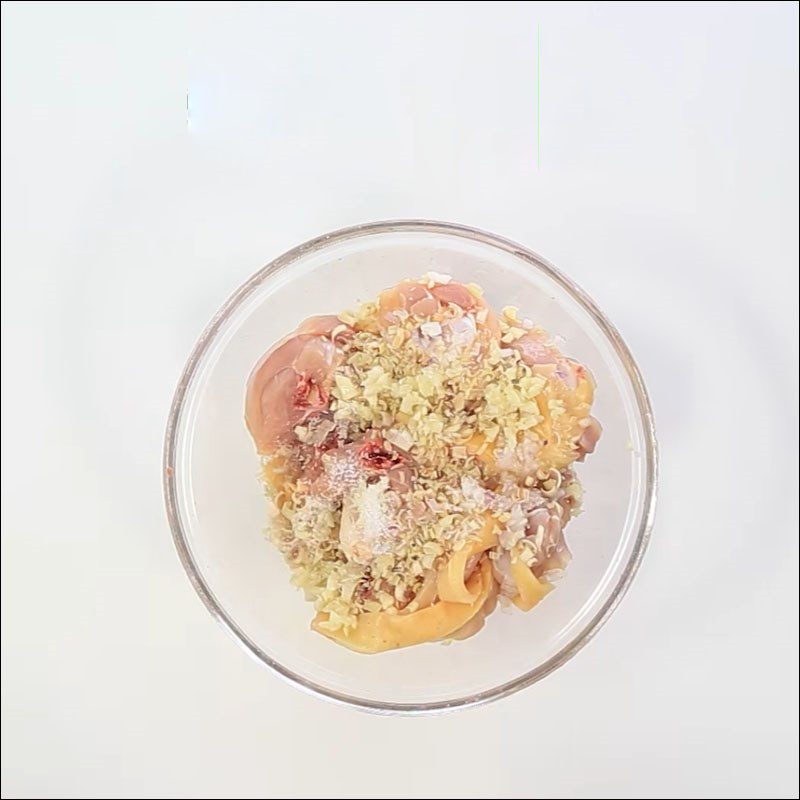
(415, 298)
(546, 531)
(291, 383)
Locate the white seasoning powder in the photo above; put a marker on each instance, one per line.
(367, 522)
(342, 469)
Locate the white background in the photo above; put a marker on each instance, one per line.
(667, 188)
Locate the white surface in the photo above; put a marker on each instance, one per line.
(667, 188)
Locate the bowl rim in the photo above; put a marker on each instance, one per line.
(650, 455)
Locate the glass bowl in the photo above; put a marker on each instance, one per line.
(216, 506)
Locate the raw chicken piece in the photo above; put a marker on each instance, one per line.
(546, 531)
(322, 325)
(341, 468)
(567, 432)
(537, 349)
(408, 297)
(415, 298)
(291, 383)
(501, 569)
(457, 294)
(589, 438)
(377, 457)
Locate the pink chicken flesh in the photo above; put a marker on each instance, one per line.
(553, 553)
(536, 349)
(291, 383)
(339, 469)
(589, 438)
(417, 299)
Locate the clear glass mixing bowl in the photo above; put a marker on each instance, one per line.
(216, 506)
